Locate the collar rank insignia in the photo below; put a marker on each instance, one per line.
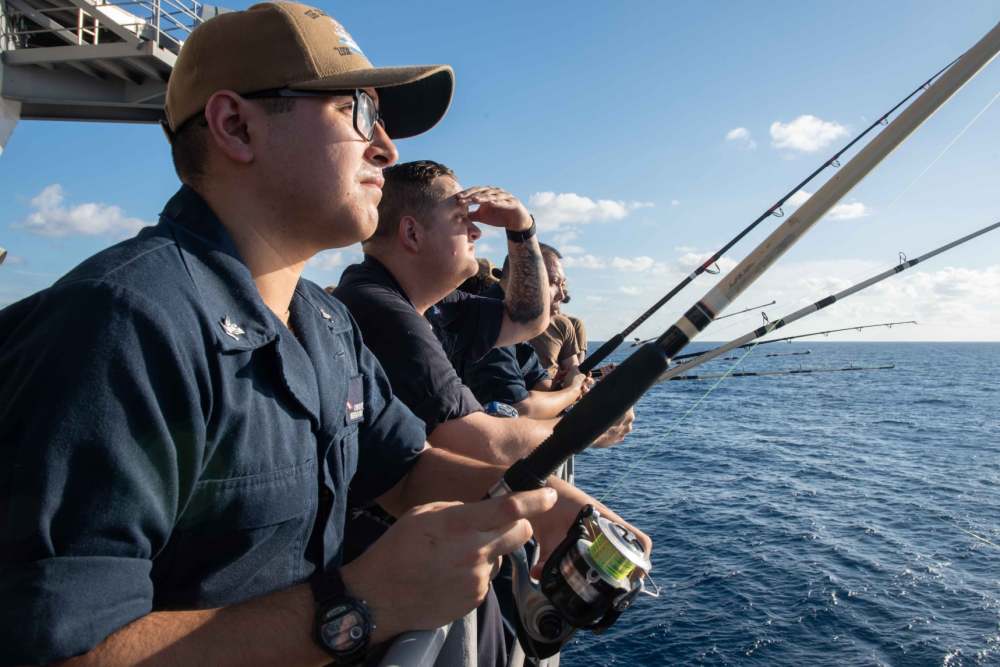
(231, 329)
(326, 315)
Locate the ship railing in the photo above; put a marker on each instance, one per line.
(166, 22)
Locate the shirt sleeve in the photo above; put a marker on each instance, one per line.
(390, 439)
(567, 337)
(100, 432)
(404, 343)
(581, 334)
(531, 368)
(497, 377)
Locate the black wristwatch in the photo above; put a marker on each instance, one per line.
(520, 237)
(344, 624)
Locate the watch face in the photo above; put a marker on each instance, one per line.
(343, 628)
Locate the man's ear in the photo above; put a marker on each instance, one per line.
(410, 233)
(229, 119)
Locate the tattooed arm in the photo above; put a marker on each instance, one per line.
(526, 300)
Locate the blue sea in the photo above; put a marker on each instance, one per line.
(833, 519)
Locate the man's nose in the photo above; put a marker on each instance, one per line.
(381, 150)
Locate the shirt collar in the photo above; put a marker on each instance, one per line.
(241, 319)
(377, 271)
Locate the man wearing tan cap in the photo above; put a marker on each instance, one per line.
(182, 416)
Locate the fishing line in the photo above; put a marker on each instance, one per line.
(978, 537)
(941, 154)
(675, 424)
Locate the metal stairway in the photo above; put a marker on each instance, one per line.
(99, 60)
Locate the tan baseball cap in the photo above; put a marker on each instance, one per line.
(288, 45)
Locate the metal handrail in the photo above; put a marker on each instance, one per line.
(166, 22)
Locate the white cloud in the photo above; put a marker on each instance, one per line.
(636, 264)
(328, 260)
(584, 262)
(564, 237)
(553, 211)
(742, 138)
(675, 202)
(806, 133)
(847, 211)
(484, 248)
(799, 198)
(52, 218)
(572, 250)
(950, 303)
(629, 289)
(691, 260)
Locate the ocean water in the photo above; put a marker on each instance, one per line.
(834, 519)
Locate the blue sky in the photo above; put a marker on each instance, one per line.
(611, 120)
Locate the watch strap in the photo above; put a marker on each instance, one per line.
(522, 236)
(327, 586)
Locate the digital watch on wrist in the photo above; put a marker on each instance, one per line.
(344, 624)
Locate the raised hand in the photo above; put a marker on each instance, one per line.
(497, 208)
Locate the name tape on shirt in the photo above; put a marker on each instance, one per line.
(355, 399)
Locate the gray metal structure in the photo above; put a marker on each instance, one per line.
(98, 60)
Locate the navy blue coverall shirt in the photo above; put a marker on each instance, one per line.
(166, 443)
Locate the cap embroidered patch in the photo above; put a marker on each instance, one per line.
(346, 41)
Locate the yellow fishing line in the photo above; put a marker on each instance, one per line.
(609, 560)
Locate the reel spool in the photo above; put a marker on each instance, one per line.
(595, 573)
(588, 581)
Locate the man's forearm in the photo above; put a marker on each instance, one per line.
(547, 404)
(442, 475)
(274, 629)
(493, 440)
(526, 297)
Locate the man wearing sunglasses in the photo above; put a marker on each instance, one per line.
(182, 418)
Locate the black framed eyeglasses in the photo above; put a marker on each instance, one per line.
(366, 115)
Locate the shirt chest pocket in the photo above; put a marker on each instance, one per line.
(240, 537)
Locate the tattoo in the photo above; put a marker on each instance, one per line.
(525, 297)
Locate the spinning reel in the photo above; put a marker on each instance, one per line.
(589, 580)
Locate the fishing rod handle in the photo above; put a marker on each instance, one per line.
(594, 414)
(603, 352)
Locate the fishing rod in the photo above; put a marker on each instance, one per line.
(788, 354)
(775, 209)
(745, 340)
(775, 354)
(637, 342)
(689, 355)
(793, 371)
(600, 567)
